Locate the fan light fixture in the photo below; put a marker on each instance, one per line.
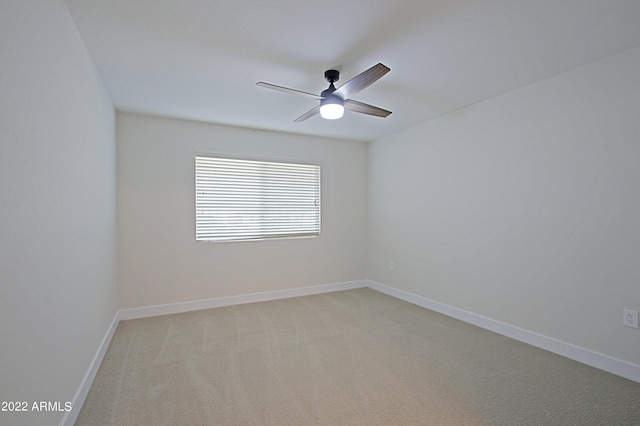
(331, 108)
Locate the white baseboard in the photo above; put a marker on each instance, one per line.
(585, 356)
(70, 417)
(195, 305)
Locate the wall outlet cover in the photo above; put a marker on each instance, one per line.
(630, 318)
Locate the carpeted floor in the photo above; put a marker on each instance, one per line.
(355, 357)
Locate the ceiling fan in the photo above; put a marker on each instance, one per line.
(334, 101)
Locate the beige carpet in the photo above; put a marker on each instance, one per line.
(355, 357)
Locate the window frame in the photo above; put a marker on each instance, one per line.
(313, 231)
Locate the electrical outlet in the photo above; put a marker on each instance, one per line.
(630, 318)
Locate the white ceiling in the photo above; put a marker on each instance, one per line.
(200, 59)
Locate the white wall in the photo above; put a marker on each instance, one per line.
(57, 208)
(524, 208)
(160, 261)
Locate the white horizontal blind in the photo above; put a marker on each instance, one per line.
(248, 200)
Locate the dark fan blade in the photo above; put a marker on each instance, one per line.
(356, 106)
(361, 81)
(308, 114)
(287, 90)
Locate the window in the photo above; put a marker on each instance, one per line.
(253, 200)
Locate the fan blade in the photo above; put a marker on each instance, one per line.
(287, 90)
(362, 81)
(308, 114)
(363, 108)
